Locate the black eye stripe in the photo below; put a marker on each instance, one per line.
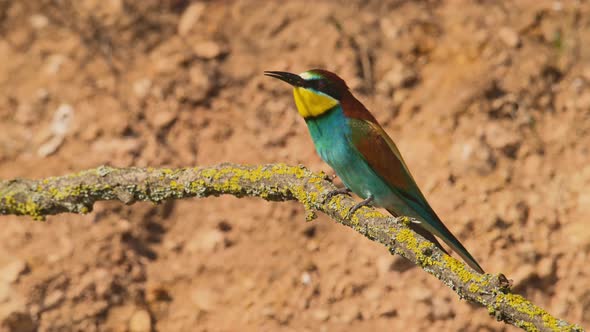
(324, 86)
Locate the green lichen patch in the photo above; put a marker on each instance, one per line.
(10, 205)
(523, 306)
(418, 248)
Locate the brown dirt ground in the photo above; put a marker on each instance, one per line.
(488, 101)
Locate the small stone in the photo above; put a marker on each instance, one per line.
(199, 79)
(53, 299)
(473, 155)
(208, 50)
(321, 315)
(170, 55)
(104, 282)
(373, 293)
(118, 316)
(54, 63)
(190, 17)
(12, 270)
(502, 138)
(142, 87)
(402, 77)
(399, 76)
(306, 278)
(162, 119)
(38, 21)
(207, 241)
(62, 119)
(509, 37)
(312, 246)
(350, 314)
(420, 294)
(268, 312)
(204, 298)
(141, 321)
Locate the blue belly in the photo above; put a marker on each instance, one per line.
(330, 134)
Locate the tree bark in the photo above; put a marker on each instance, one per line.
(76, 193)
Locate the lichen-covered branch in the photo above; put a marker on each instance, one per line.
(77, 193)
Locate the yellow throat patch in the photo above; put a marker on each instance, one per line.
(311, 104)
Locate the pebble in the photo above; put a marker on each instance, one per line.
(306, 278)
(53, 299)
(190, 17)
(208, 50)
(62, 120)
(12, 270)
(509, 37)
(198, 77)
(321, 315)
(54, 63)
(142, 87)
(207, 241)
(473, 155)
(204, 298)
(502, 138)
(38, 21)
(350, 314)
(141, 321)
(420, 294)
(162, 119)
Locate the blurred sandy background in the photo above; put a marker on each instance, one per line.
(488, 101)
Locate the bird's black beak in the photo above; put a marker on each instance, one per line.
(293, 79)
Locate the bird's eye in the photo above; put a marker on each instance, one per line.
(321, 85)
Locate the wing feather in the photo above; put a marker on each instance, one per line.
(379, 151)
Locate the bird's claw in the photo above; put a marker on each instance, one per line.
(359, 205)
(339, 191)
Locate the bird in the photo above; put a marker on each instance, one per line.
(351, 141)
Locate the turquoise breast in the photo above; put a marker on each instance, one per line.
(331, 136)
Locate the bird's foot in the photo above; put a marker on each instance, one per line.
(358, 206)
(339, 191)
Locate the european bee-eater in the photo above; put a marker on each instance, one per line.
(349, 139)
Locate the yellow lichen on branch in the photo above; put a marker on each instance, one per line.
(77, 193)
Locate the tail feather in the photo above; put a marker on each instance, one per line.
(434, 226)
